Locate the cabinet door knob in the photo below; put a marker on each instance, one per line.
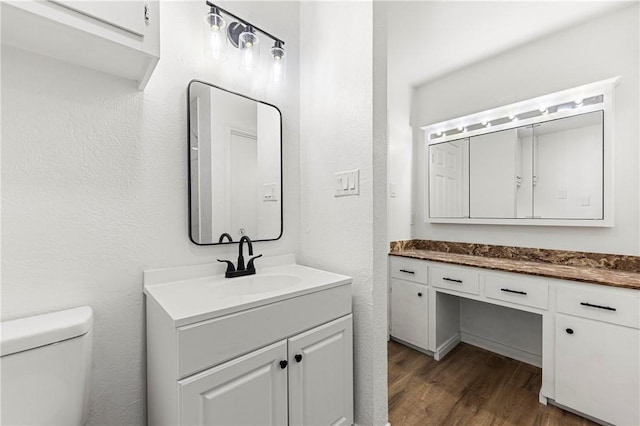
(419, 294)
(298, 357)
(283, 364)
(569, 331)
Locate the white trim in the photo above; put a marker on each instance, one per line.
(446, 347)
(499, 348)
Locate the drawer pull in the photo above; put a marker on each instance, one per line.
(283, 364)
(419, 294)
(608, 308)
(452, 280)
(407, 271)
(513, 291)
(298, 357)
(569, 331)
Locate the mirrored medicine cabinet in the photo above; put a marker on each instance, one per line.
(553, 169)
(235, 166)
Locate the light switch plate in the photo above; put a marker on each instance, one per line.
(347, 183)
(270, 192)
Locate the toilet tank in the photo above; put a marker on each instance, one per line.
(45, 366)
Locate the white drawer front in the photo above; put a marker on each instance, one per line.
(517, 290)
(199, 344)
(415, 270)
(455, 278)
(613, 305)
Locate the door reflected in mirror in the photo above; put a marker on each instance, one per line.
(449, 179)
(235, 166)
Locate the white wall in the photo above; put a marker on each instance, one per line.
(595, 50)
(94, 188)
(337, 134)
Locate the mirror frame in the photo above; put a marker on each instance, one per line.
(189, 186)
(605, 88)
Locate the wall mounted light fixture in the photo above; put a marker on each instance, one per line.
(241, 35)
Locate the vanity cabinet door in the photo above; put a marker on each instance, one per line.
(249, 390)
(597, 369)
(321, 375)
(410, 312)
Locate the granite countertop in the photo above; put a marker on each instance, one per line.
(608, 271)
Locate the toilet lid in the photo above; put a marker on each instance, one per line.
(32, 332)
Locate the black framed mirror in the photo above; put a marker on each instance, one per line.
(235, 166)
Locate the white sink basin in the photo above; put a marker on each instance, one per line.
(268, 283)
(253, 285)
(190, 294)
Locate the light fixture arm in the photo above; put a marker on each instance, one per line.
(226, 12)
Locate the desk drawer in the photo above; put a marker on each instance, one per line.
(454, 278)
(534, 293)
(408, 269)
(609, 304)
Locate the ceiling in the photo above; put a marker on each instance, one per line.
(427, 39)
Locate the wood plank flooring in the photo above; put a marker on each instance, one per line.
(470, 386)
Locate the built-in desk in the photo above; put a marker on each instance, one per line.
(589, 321)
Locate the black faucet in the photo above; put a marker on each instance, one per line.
(223, 236)
(240, 270)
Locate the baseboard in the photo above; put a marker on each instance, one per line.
(499, 348)
(446, 347)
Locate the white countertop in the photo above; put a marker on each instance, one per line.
(194, 299)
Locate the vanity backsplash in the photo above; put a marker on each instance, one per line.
(615, 262)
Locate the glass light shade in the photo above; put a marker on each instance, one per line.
(249, 45)
(248, 39)
(214, 21)
(215, 36)
(278, 64)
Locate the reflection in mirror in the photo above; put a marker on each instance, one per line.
(234, 165)
(500, 174)
(568, 164)
(449, 179)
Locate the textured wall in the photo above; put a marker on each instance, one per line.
(337, 133)
(94, 188)
(601, 48)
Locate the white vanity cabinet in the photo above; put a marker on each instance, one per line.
(597, 353)
(307, 379)
(271, 349)
(409, 302)
(590, 333)
(116, 37)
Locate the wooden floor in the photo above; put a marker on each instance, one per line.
(470, 386)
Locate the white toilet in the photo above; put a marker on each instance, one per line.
(45, 367)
